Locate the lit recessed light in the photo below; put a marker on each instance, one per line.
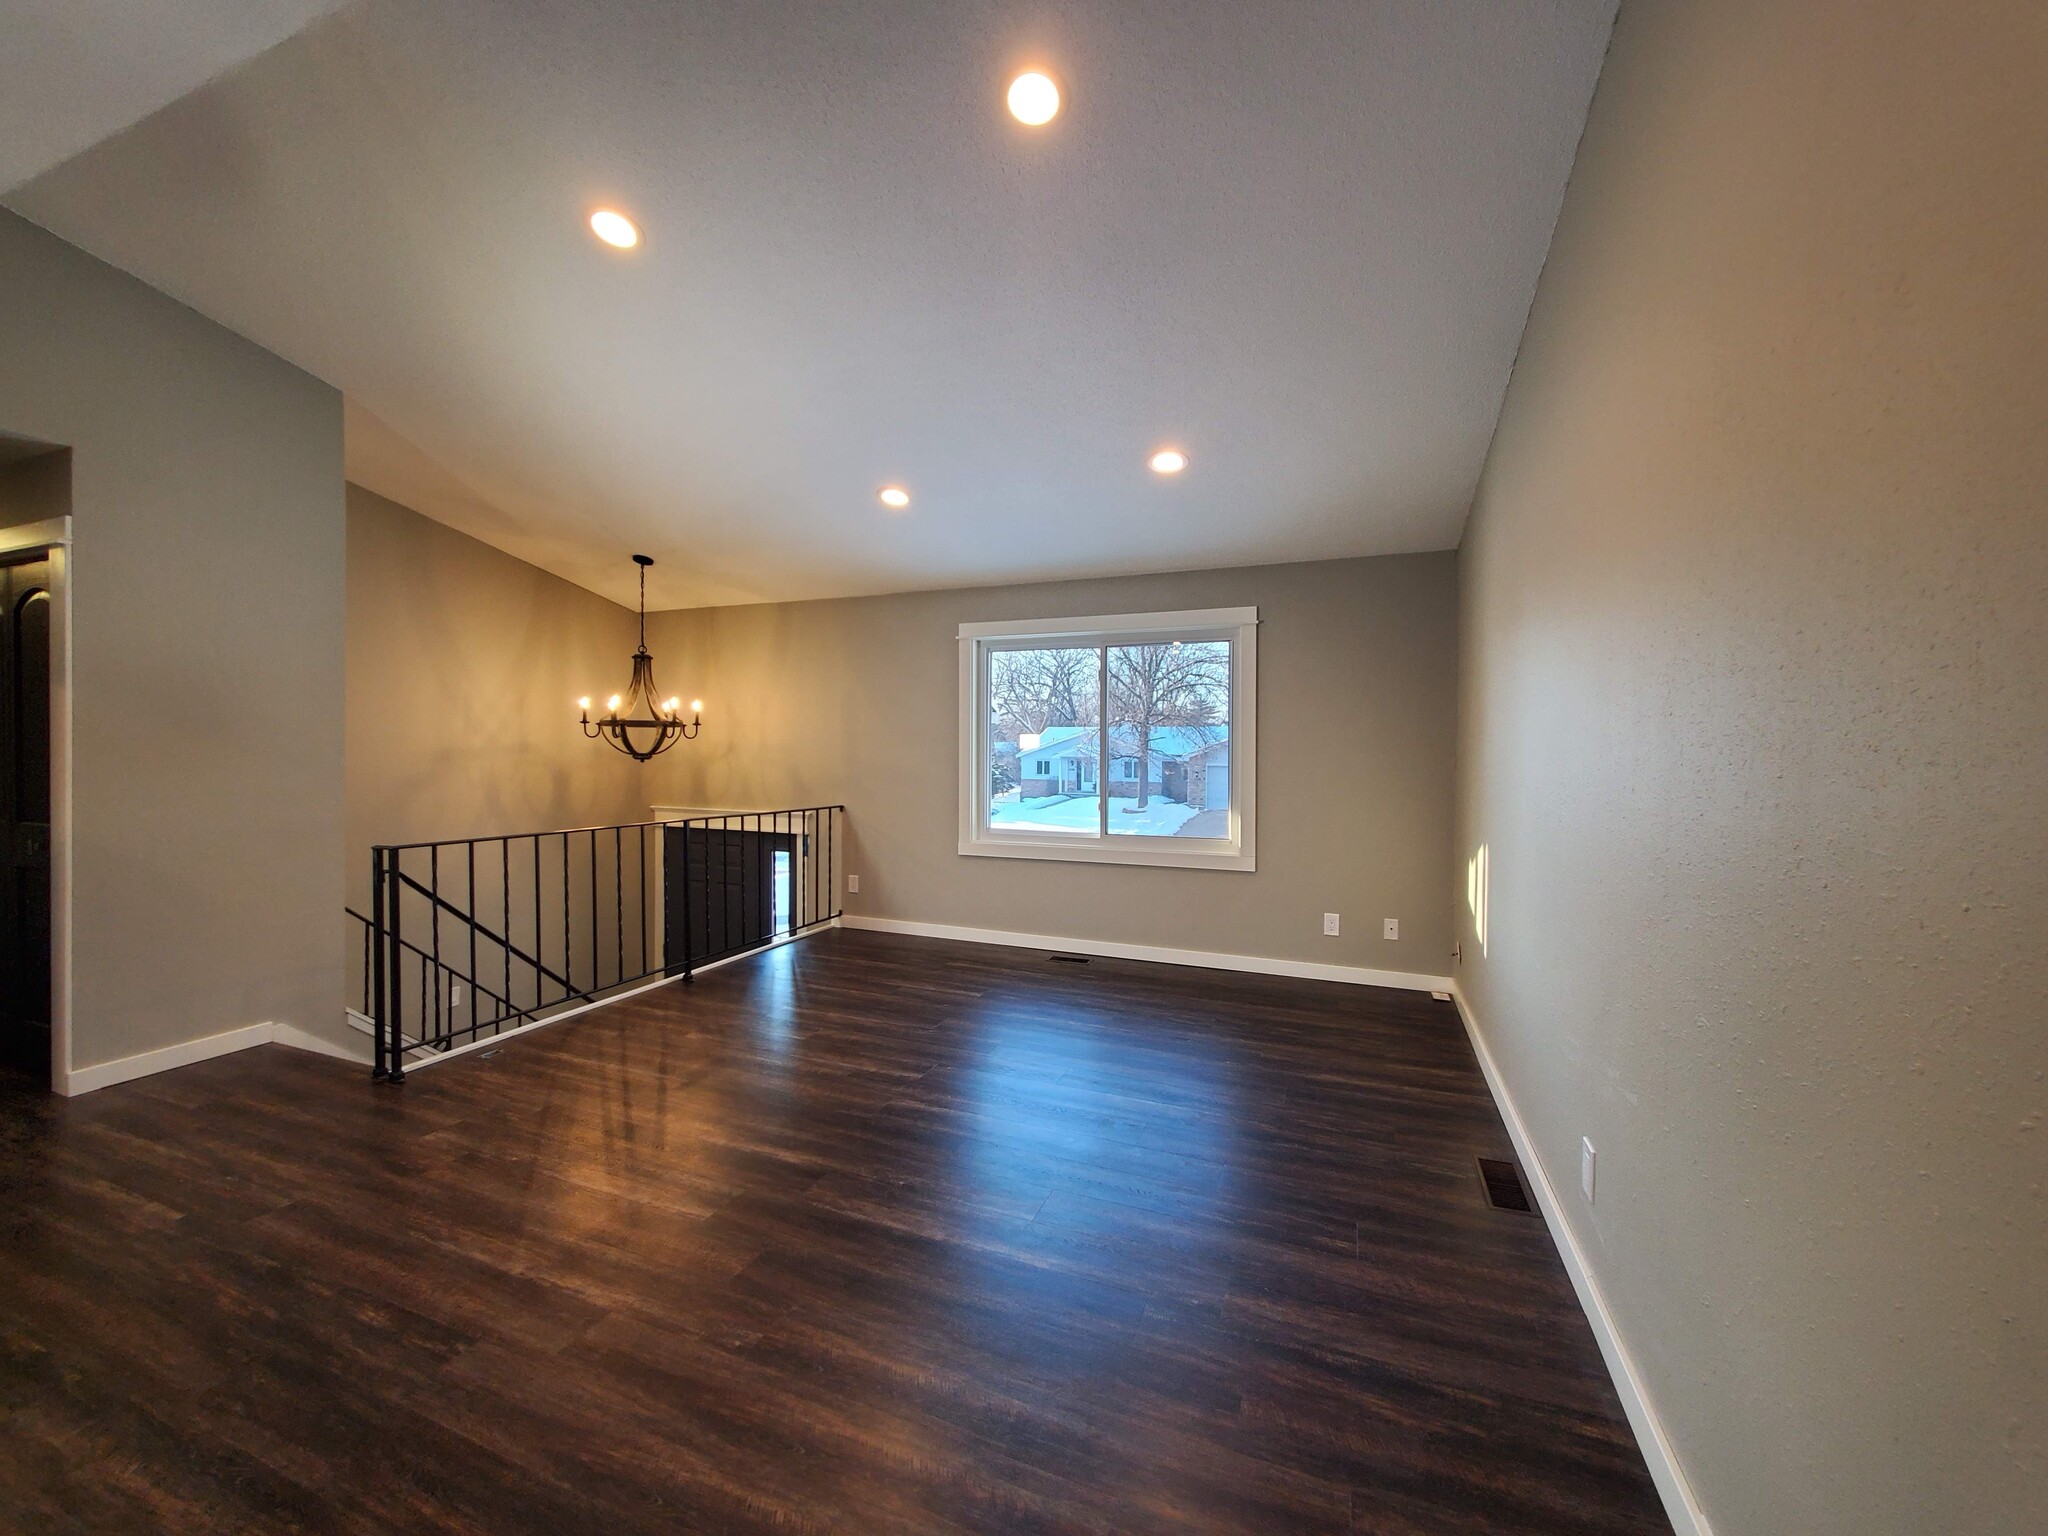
(1034, 99)
(895, 497)
(1169, 461)
(614, 228)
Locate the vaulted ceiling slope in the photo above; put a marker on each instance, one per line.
(1297, 238)
(73, 72)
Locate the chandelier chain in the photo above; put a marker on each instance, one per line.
(643, 709)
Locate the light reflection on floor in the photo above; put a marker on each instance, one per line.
(1057, 1106)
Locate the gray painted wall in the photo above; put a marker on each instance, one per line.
(464, 665)
(1754, 697)
(207, 613)
(857, 700)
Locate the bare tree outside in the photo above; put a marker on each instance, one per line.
(1181, 683)
(1029, 691)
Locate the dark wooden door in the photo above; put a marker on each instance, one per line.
(718, 891)
(25, 816)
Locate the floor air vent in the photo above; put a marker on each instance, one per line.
(1504, 1190)
(1071, 959)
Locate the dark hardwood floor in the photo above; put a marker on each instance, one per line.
(868, 1234)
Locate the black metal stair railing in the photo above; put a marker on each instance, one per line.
(470, 937)
(435, 981)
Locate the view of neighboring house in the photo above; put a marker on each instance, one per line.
(1189, 765)
(1060, 760)
(1050, 778)
(1205, 776)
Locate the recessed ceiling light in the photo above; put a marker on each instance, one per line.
(1034, 99)
(614, 228)
(895, 497)
(1169, 461)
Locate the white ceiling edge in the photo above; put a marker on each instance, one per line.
(382, 461)
(74, 72)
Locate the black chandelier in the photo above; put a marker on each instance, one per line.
(650, 724)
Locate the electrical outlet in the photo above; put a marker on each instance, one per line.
(853, 883)
(1390, 928)
(1330, 924)
(455, 990)
(1588, 1162)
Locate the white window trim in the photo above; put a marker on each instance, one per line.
(1236, 852)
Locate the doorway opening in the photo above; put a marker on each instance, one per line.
(25, 813)
(35, 495)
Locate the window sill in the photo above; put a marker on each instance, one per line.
(1217, 856)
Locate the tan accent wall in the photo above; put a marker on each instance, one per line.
(857, 701)
(464, 665)
(1754, 702)
(206, 605)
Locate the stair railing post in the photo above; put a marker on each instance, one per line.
(393, 899)
(380, 1006)
(689, 946)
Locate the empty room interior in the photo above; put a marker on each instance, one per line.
(931, 767)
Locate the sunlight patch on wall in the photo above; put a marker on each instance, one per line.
(1476, 877)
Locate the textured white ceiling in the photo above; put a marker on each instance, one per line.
(74, 71)
(1297, 238)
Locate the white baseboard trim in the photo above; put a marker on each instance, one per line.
(1355, 975)
(1680, 1504)
(304, 1040)
(419, 1057)
(149, 1063)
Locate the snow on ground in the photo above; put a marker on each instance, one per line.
(1077, 813)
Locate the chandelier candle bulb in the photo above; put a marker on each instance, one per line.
(650, 726)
